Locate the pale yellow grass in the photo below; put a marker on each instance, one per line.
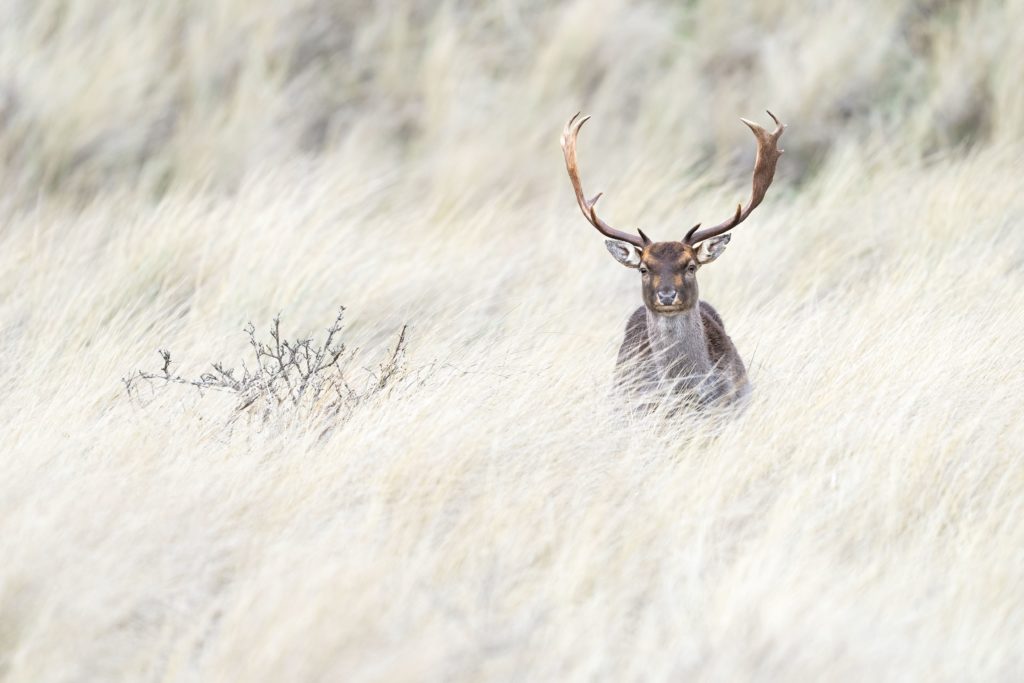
(171, 172)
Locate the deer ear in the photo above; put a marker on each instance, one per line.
(711, 249)
(625, 254)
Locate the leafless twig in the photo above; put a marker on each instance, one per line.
(301, 374)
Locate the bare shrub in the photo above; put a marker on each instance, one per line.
(304, 376)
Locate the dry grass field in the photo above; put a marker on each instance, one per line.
(172, 171)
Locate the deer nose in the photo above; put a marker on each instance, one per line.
(666, 296)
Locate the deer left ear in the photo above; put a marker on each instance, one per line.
(625, 254)
(711, 249)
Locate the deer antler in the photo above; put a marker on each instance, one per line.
(768, 154)
(569, 134)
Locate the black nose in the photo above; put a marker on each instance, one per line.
(666, 296)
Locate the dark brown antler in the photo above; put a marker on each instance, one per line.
(569, 134)
(764, 171)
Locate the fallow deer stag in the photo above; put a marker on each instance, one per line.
(676, 343)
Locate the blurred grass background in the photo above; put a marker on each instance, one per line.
(100, 96)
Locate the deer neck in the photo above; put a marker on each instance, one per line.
(678, 344)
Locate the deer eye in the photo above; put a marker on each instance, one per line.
(644, 270)
(692, 268)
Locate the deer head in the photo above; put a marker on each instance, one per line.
(669, 269)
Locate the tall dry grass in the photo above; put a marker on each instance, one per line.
(169, 171)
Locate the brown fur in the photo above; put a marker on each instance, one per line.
(637, 369)
(687, 350)
(667, 264)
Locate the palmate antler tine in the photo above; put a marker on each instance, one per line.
(569, 134)
(768, 153)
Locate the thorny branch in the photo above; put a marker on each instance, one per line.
(300, 374)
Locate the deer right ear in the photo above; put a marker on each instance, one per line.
(625, 254)
(711, 249)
